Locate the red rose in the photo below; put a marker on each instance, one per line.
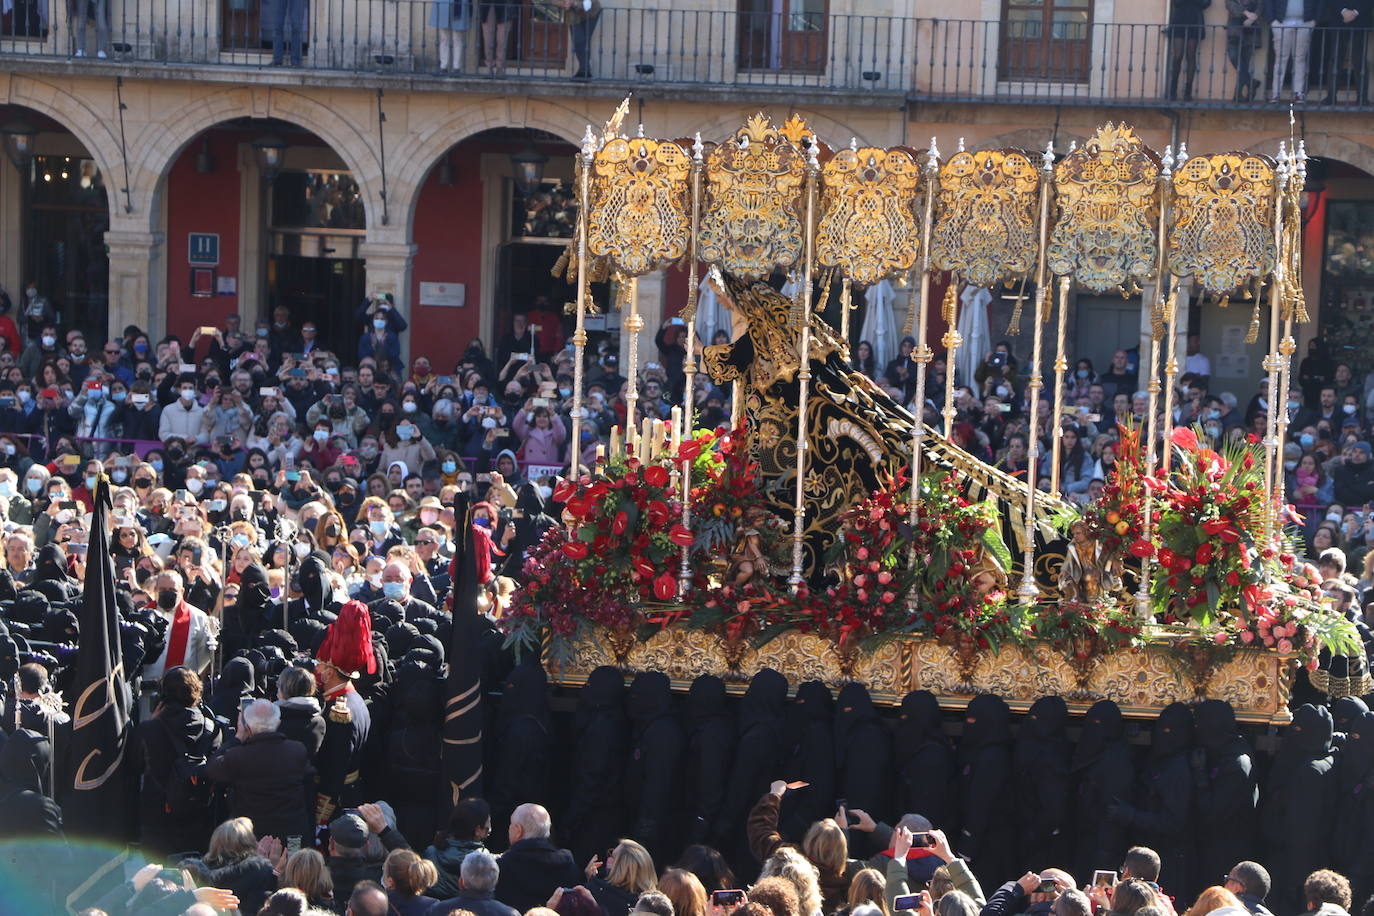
(576, 550)
(656, 475)
(1233, 578)
(1142, 548)
(665, 587)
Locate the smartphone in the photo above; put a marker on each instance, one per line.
(484, 478)
(216, 505)
(906, 902)
(922, 840)
(1004, 408)
(293, 476)
(70, 461)
(182, 496)
(539, 402)
(298, 373)
(50, 393)
(348, 460)
(123, 463)
(1047, 887)
(842, 803)
(77, 548)
(93, 385)
(293, 844)
(197, 555)
(501, 432)
(208, 331)
(186, 369)
(288, 462)
(523, 357)
(7, 400)
(139, 399)
(730, 897)
(445, 380)
(267, 392)
(69, 504)
(1104, 878)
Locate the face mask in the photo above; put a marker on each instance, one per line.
(368, 450)
(1306, 440)
(279, 325)
(394, 590)
(275, 592)
(488, 422)
(119, 396)
(156, 464)
(1292, 405)
(543, 491)
(91, 482)
(422, 371)
(119, 476)
(49, 341)
(239, 541)
(482, 522)
(1003, 391)
(95, 394)
(25, 396)
(1290, 465)
(321, 436)
(1348, 408)
(6, 489)
(565, 392)
(1214, 431)
(404, 432)
(166, 598)
(1082, 373)
(379, 323)
(375, 580)
(529, 416)
(378, 528)
(409, 406)
(1214, 414)
(140, 348)
(34, 485)
(302, 550)
(10, 449)
(1333, 517)
(195, 484)
(449, 467)
(261, 332)
(188, 395)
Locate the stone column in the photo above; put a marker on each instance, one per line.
(135, 263)
(388, 271)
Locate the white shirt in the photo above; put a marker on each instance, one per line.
(200, 643)
(1198, 364)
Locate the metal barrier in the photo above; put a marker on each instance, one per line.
(1059, 61)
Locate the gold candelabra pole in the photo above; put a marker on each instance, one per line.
(804, 366)
(1278, 398)
(920, 312)
(689, 367)
(1171, 352)
(1161, 292)
(1291, 253)
(952, 339)
(584, 169)
(1028, 591)
(1061, 365)
(634, 324)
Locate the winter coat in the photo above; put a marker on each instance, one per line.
(270, 780)
(448, 862)
(301, 720)
(531, 870)
(173, 732)
(1354, 812)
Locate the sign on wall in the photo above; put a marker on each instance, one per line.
(453, 295)
(203, 249)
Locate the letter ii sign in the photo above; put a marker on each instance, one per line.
(203, 249)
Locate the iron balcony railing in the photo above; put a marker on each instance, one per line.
(1034, 60)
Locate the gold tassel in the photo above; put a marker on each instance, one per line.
(562, 263)
(947, 306)
(1301, 306)
(1014, 326)
(1252, 336)
(1226, 301)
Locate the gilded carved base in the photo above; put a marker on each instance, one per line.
(1142, 681)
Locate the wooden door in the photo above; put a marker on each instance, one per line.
(537, 35)
(1046, 40)
(788, 35)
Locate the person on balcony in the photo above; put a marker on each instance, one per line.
(1185, 34)
(288, 13)
(83, 12)
(1345, 28)
(496, 17)
(1242, 38)
(1292, 22)
(582, 16)
(450, 17)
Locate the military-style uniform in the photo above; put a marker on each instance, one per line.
(346, 724)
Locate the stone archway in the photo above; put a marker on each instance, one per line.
(156, 154)
(1327, 146)
(84, 122)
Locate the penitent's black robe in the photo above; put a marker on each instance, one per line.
(925, 762)
(1296, 812)
(1103, 774)
(594, 818)
(1227, 791)
(758, 761)
(1354, 810)
(710, 749)
(1042, 755)
(1161, 816)
(985, 788)
(810, 742)
(863, 752)
(653, 774)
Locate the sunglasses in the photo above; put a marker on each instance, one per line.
(425, 543)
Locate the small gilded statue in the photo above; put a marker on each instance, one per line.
(748, 560)
(1090, 571)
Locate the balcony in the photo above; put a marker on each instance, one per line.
(790, 51)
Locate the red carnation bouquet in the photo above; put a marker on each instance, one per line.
(622, 546)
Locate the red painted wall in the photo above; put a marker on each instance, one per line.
(448, 247)
(202, 203)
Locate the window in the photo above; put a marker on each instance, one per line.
(785, 35)
(1046, 40)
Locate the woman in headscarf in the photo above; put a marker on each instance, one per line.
(758, 760)
(925, 761)
(1042, 756)
(985, 786)
(1103, 775)
(1227, 790)
(863, 751)
(653, 775)
(710, 748)
(594, 816)
(1162, 816)
(1299, 794)
(810, 745)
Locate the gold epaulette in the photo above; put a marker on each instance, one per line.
(339, 711)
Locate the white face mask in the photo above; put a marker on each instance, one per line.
(188, 394)
(302, 550)
(49, 341)
(195, 484)
(408, 406)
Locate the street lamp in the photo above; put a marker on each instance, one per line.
(19, 138)
(270, 151)
(528, 168)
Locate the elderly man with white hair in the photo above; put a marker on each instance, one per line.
(477, 881)
(533, 867)
(397, 584)
(267, 774)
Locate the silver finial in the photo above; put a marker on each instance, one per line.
(853, 144)
(588, 143)
(697, 147)
(961, 146)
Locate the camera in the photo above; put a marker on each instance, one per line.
(997, 359)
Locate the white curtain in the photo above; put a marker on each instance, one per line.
(880, 323)
(711, 315)
(973, 327)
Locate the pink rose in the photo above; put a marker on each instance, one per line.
(1285, 646)
(861, 553)
(1219, 638)
(887, 597)
(863, 594)
(1247, 637)
(1269, 641)
(860, 581)
(884, 577)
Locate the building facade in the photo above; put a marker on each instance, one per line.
(177, 175)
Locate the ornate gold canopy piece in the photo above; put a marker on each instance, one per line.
(754, 184)
(868, 226)
(1223, 233)
(1108, 208)
(985, 228)
(640, 216)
